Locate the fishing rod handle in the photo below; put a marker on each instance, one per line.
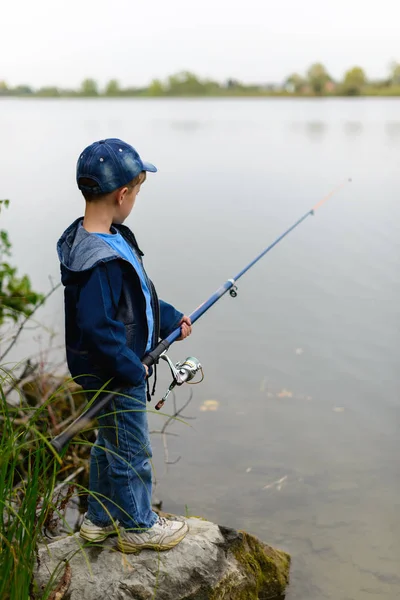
(62, 440)
(153, 356)
(84, 420)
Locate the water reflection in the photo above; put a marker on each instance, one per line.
(188, 126)
(182, 125)
(392, 129)
(353, 128)
(314, 130)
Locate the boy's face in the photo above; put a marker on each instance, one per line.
(125, 202)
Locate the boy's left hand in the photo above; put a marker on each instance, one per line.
(186, 327)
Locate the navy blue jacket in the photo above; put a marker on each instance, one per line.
(106, 327)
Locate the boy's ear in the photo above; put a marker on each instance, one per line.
(120, 194)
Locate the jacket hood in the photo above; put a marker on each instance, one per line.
(79, 251)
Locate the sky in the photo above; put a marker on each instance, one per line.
(61, 42)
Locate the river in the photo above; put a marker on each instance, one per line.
(296, 429)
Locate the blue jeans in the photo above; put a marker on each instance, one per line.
(120, 481)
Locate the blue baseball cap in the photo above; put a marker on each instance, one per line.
(111, 163)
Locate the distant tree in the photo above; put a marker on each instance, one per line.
(318, 77)
(133, 91)
(231, 83)
(89, 87)
(211, 86)
(156, 88)
(69, 92)
(22, 90)
(112, 88)
(48, 92)
(3, 88)
(395, 73)
(354, 81)
(185, 83)
(295, 83)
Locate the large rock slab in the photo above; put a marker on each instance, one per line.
(211, 563)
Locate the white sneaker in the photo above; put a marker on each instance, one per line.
(164, 535)
(93, 533)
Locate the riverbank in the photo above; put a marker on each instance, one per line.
(389, 92)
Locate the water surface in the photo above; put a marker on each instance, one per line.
(304, 364)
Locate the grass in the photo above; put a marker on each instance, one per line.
(32, 499)
(25, 500)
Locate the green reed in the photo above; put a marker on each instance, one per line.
(25, 499)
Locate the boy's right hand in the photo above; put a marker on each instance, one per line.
(147, 370)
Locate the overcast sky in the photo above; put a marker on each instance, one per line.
(60, 42)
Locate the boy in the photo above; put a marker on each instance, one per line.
(112, 318)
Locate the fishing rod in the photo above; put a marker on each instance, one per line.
(186, 370)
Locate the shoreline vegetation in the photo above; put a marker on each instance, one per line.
(315, 83)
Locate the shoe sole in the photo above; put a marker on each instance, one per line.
(91, 536)
(129, 548)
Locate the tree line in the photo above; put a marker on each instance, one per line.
(315, 82)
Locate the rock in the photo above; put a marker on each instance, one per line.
(211, 563)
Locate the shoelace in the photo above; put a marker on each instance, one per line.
(162, 521)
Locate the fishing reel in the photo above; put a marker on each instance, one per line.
(182, 372)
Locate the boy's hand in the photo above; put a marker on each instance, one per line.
(186, 327)
(147, 370)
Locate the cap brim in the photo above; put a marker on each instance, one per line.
(149, 167)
